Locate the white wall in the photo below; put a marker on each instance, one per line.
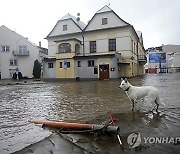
(51, 48)
(49, 72)
(71, 28)
(174, 61)
(123, 40)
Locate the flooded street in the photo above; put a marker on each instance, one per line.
(70, 101)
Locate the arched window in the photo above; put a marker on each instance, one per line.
(77, 48)
(64, 48)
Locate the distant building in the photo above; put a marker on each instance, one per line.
(107, 47)
(173, 57)
(17, 53)
(163, 59)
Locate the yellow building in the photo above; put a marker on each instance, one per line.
(67, 49)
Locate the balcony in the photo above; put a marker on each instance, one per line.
(22, 53)
(122, 60)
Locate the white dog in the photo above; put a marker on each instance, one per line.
(135, 93)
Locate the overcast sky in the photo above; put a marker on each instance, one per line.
(158, 20)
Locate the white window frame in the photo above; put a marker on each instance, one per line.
(64, 27)
(104, 21)
(90, 63)
(22, 49)
(50, 65)
(12, 62)
(5, 48)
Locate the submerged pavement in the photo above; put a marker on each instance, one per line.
(151, 127)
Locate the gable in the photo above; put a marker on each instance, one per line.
(73, 26)
(113, 20)
(14, 39)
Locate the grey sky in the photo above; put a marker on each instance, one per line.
(159, 20)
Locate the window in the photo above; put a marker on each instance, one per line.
(64, 27)
(79, 63)
(112, 44)
(50, 65)
(22, 49)
(65, 48)
(104, 21)
(68, 64)
(92, 46)
(61, 65)
(90, 63)
(12, 62)
(96, 70)
(5, 48)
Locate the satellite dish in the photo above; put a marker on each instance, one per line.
(78, 14)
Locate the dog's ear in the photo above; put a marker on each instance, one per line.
(122, 79)
(125, 80)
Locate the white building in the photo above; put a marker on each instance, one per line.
(107, 47)
(173, 57)
(17, 53)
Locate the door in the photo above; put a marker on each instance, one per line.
(103, 72)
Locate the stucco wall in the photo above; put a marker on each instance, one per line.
(84, 71)
(49, 72)
(113, 21)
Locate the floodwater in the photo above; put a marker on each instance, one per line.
(70, 101)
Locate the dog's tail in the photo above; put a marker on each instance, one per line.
(158, 101)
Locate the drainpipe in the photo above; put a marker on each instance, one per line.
(83, 44)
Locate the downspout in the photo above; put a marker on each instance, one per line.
(83, 44)
(138, 56)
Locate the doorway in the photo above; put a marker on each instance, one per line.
(104, 72)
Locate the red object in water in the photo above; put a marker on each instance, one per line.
(63, 125)
(111, 118)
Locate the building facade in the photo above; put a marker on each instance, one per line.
(107, 47)
(17, 54)
(163, 59)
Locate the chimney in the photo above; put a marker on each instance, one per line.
(39, 43)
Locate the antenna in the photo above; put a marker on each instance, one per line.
(109, 4)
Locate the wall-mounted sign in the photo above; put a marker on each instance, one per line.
(65, 64)
(157, 57)
(112, 69)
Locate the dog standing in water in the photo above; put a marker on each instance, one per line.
(135, 93)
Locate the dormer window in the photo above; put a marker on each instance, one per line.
(64, 27)
(104, 21)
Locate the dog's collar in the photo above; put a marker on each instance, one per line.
(127, 89)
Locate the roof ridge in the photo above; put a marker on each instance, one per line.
(104, 9)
